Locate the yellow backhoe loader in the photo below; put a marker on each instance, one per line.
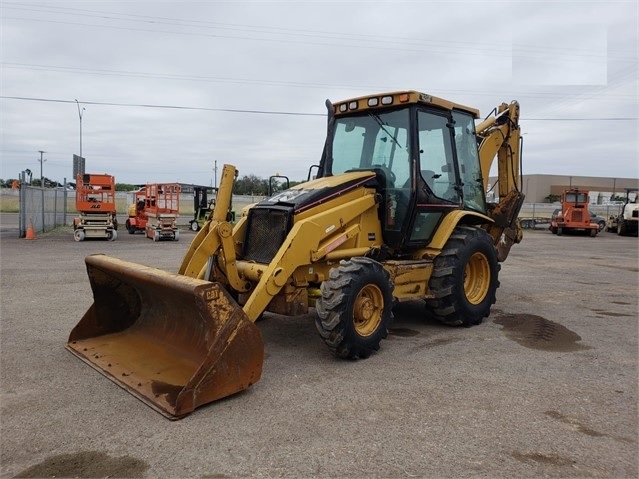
(396, 212)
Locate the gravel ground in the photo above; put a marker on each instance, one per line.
(545, 387)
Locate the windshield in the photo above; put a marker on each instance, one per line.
(374, 140)
(576, 198)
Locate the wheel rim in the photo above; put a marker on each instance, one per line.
(477, 278)
(369, 306)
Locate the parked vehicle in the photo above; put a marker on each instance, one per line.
(397, 212)
(627, 221)
(95, 203)
(573, 215)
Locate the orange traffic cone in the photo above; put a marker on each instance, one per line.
(30, 232)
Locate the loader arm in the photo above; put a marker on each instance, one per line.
(500, 136)
(307, 242)
(216, 235)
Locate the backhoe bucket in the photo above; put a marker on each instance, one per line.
(172, 341)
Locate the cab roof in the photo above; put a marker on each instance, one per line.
(407, 97)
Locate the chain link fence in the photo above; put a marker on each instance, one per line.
(43, 208)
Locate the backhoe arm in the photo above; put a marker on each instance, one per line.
(500, 136)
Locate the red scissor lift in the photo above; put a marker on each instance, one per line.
(161, 208)
(95, 203)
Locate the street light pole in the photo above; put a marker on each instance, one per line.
(80, 112)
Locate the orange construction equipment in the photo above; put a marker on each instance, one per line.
(95, 201)
(161, 210)
(137, 213)
(30, 232)
(574, 215)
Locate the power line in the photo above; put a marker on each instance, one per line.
(261, 112)
(168, 107)
(586, 53)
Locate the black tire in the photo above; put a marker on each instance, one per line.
(354, 311)
(601, 225)
(129, 228)
(621, 228)
(194, 226)
(465, 278)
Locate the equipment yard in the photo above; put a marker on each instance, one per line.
(544, 387)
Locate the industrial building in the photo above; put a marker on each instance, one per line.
(537, 188)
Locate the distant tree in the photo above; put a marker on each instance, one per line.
(552, 198)
(617, 198)
(250, 185)
(125, 187)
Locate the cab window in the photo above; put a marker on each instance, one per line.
(436, 155)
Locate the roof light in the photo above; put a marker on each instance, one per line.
(373, 101)
(387, 100)
(403, 97)
(352, 105)
(342, 107)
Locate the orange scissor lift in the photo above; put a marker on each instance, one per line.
(95, 203)
(161, 208)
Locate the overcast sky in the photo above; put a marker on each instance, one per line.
(167, 88)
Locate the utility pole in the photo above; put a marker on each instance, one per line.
(41, 160)
(215, 173)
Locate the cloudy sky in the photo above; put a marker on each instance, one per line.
(166, 89)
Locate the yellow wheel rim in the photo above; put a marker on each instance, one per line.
(477, 278)
(367, 313)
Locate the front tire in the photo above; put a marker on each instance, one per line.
(354, 310)
(129, 227)
(464, 280)
(195, 226)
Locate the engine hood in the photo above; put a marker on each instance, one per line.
(317, 191)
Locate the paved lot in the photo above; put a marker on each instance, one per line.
(545, 387)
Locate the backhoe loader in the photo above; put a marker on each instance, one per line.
(396, 212)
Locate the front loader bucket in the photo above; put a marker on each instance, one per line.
(172, 341)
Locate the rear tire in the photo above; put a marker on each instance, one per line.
(621, 228)
(78, 235)
(195, 226)
(354, 310)
(464, 279)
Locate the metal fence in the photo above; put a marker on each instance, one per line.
(43, 208)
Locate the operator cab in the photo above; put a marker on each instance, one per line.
(424, 151)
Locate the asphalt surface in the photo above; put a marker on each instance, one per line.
(545, 387)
